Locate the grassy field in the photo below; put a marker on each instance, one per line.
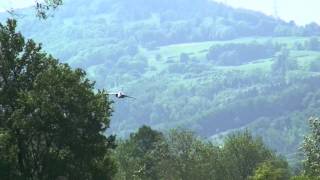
(197, 52)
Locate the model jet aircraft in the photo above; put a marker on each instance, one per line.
(14, 14)
(121, 95)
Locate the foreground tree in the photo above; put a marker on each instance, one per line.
(304, 177)
(243, 153)
(136, 157)
(272, 170)
(45, 6)
(190, 158)
(51, 121)
(148, 154)
(180, 154)
(311, 148)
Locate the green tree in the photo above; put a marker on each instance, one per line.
(315, 65)
(280, 64)
(311, 148)
(272, 170)
(51, 121)
(147, 154)
(191, 158)
(180, 155)
(303, 177)
(243, 153)
(135, 156)
(45, 6)
(184, 58)
(313, 44)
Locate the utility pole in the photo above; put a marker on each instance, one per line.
(275, 9)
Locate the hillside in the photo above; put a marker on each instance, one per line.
(200, 65)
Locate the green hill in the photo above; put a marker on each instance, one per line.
(200, 65)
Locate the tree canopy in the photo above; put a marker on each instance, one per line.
(311, 147)
(51, 120)
(45, 6)
(180, 154)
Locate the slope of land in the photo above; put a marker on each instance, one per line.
(195, 64)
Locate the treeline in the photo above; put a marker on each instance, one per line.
(237, 54)
(233, 54)
(166, 22)
(152, 24)
(180, 154)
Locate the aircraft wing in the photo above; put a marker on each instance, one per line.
(129, 96)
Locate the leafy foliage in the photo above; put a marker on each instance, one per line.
(44, 7)
(302, 177)
(51, 120)
(180, 154)
(243, 153)
(237, 54)
(272, 170)
(136, 156)
(311, 147)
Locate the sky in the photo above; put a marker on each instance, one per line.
(8, 4)
(301, 11)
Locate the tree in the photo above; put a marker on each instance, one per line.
(311, 29)
(311, 148)
(315, 65)
(147, 154)
(243, 153)
(272, 170)
(280, 64)
(303, 177)
(283, 63)
(52, 122)
(191, 158)
(312, 44)
(184, 58)
(45, 6)
(135, 156)
(42, 8)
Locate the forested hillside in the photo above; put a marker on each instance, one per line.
(196, 64)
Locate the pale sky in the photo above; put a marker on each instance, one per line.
(301, 11)
(8, 4)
